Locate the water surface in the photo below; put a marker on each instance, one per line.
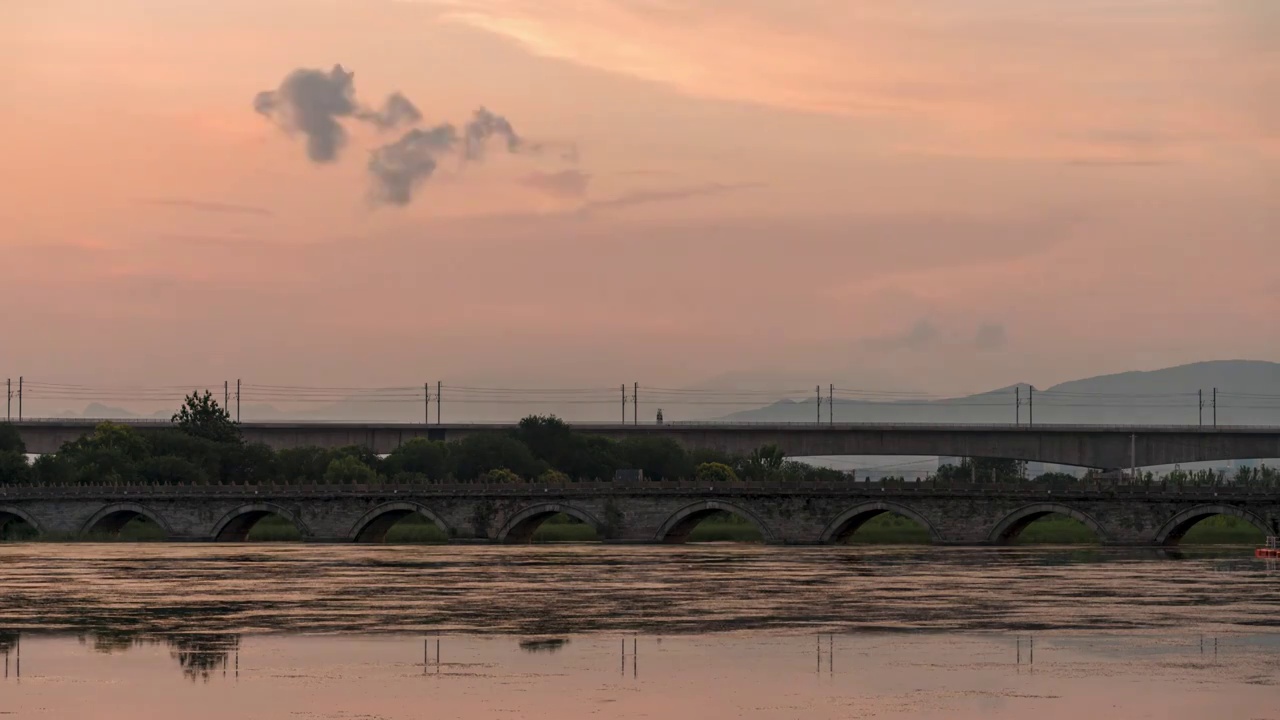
(299, 631)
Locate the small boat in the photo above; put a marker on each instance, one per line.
(1271, 550)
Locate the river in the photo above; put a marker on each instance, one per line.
(567, 631)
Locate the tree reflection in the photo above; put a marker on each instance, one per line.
(200, 655)
(203, 655)
(538, 645)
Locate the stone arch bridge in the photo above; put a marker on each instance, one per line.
(644, 512)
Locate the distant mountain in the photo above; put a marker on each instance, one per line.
(1248, 394)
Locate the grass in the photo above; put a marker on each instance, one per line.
(1223, 530)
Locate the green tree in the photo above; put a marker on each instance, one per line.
(170, 470)
(201, 416)
(549, 438)
(477, 454)
(248, 464)
(765, 462)
(499, 476)
(11, 439)
(348, 470)
(419, 456)
(303, 465)
(14, 468)
(52, 470)
(110, 454)
(984, 470)
(659, 458)
(715, 472)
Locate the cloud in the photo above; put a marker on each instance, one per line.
(562, 184)
(311, 102)
(400, 167)
(990, 336)
(994, 78)
(483, 126)
(644, 197)
(921, 336)
(396, 110)
(210, 207)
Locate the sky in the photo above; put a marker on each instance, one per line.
(910, 194)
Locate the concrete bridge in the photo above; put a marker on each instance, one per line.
(644, 512)
(1104, 447)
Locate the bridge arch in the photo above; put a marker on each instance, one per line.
(235, 525)
(521, 526)
(676, 529)
(850, 520)
(8, 514)
(1015, 522)
(372, 527)
(1178, 525)
(110, 519)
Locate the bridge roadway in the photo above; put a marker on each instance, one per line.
(638, 512)
(1094, 446)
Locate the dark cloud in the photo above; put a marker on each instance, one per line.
(990, 336)
(397, 110)
(211, 207)
(483, 126)
(400, 167)
(563, 184)
(311, 102)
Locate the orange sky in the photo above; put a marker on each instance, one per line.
(779, 188)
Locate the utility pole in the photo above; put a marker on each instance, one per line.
(817, 391)
(237, 399)
(1200, 401)
(635, 404)
(1133, 457)
(1215, 405)
(439, 388)
(8, 399)
(426, 403)
(623, 388)
(1031, 405)
(19, 398)
(831, 404)
(1017, 406)
(226, 394)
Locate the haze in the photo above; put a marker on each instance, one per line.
(926, 194)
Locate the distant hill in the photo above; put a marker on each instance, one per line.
(1248, 394)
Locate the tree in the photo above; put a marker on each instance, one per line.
(11, 439)
(984, 470)
(549, 438)
(170, 470)
(499, 476)
(201, 416)
(349, 470)
(659, 458)
(111, 454)
(477, 454)
(419, 456)
(715, 472)
(764, 462)
(14, 468)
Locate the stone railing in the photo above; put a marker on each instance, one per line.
(838, 487)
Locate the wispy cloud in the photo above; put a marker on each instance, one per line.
(645, 197)
(210, 206)
(989, 76)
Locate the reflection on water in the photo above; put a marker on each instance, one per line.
(332, 632)
(536, 645)
(962, 676)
